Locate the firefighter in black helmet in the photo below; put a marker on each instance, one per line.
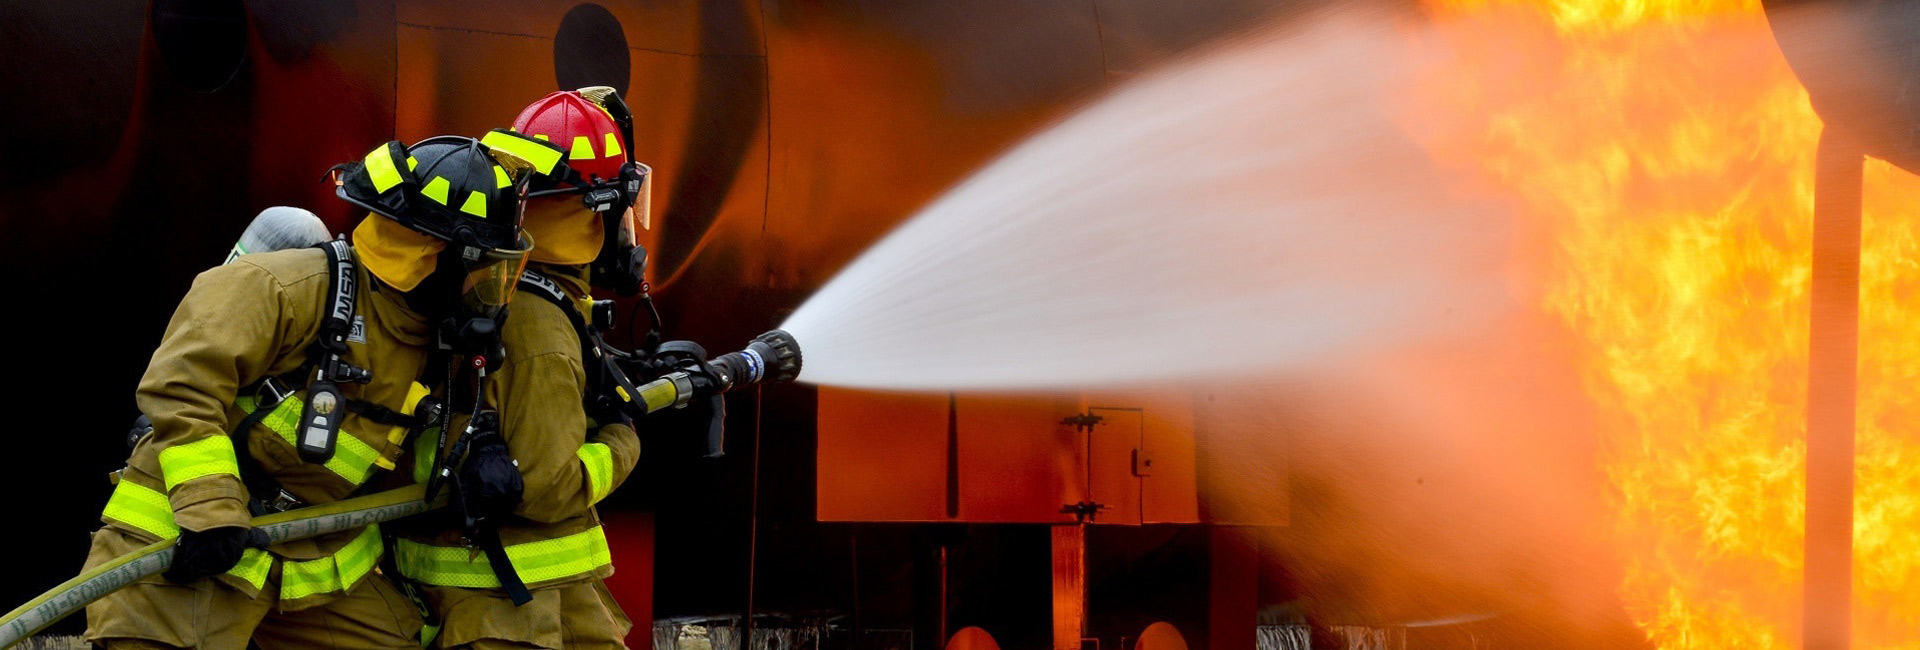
(293, 378)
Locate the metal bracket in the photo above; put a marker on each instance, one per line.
(1084, 511)
(1083, 421)
(1142, 463)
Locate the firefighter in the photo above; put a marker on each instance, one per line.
(292, 378)
(583, 217)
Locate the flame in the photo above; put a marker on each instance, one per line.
(1662, 155)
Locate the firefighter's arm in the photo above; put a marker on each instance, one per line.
(224, 333)
(546, 431)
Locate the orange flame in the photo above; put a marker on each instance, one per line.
(1663, 154)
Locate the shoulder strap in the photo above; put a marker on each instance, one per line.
(607, 385)
(550, 291)
(337, 322)
(319, 426)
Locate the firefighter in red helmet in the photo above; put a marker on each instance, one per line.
(552, 393)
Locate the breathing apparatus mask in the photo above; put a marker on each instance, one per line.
(623, 203)
(600, 172)
(485, 279)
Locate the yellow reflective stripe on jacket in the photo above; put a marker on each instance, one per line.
(142, 507)
(352, 460)
(425, 448)
(145, 508)
(458, 566)
(253, 567)
(337, 572)
(204, 457)
(598, 459)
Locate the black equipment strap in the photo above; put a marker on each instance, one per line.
(261, 489)
(337, 323)
(390, 565)
(488, 539)
(607, 385)
(381, 414)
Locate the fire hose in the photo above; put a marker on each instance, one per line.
(771, 357)
(301, 523)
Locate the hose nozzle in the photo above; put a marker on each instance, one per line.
(772, 357)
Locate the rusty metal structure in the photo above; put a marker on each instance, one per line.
(1860, 62)
(786, 136)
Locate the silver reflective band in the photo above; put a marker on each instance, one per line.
(682, 388)
(756, 367)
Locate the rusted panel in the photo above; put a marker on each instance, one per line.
(1240, 457)
(1168, 493)
(1018, 464)
(882, 456)
(1069, 586)
(1110, 474)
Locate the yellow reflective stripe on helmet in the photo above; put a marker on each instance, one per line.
(457, 566)
(142, 507)
(436, 189)
(337, 572)
(204, 457)
(380, 169)
(543, 157)
(582, 148)
(476, 204)
(597, 457)
(613, 145)
(253, 567)
(500, 178)
(412, 163)
(352, 460)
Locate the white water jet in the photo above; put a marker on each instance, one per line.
(1249, 210)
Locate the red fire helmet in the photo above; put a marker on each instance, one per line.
(592, 139)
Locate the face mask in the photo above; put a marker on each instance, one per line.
(491, 278)
(622, 263)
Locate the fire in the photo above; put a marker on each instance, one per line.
(1661, 154)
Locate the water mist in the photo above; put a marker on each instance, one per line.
(1250, 209)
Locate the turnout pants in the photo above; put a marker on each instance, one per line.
(580, 615)
(213, 615)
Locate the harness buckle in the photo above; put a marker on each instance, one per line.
(284, 501)
(273, 387)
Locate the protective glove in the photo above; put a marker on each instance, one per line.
(488, 485)
(202, 553)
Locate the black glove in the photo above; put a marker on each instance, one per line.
(201, 553)
(488, 485)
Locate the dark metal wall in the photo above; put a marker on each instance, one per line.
(142, 136)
